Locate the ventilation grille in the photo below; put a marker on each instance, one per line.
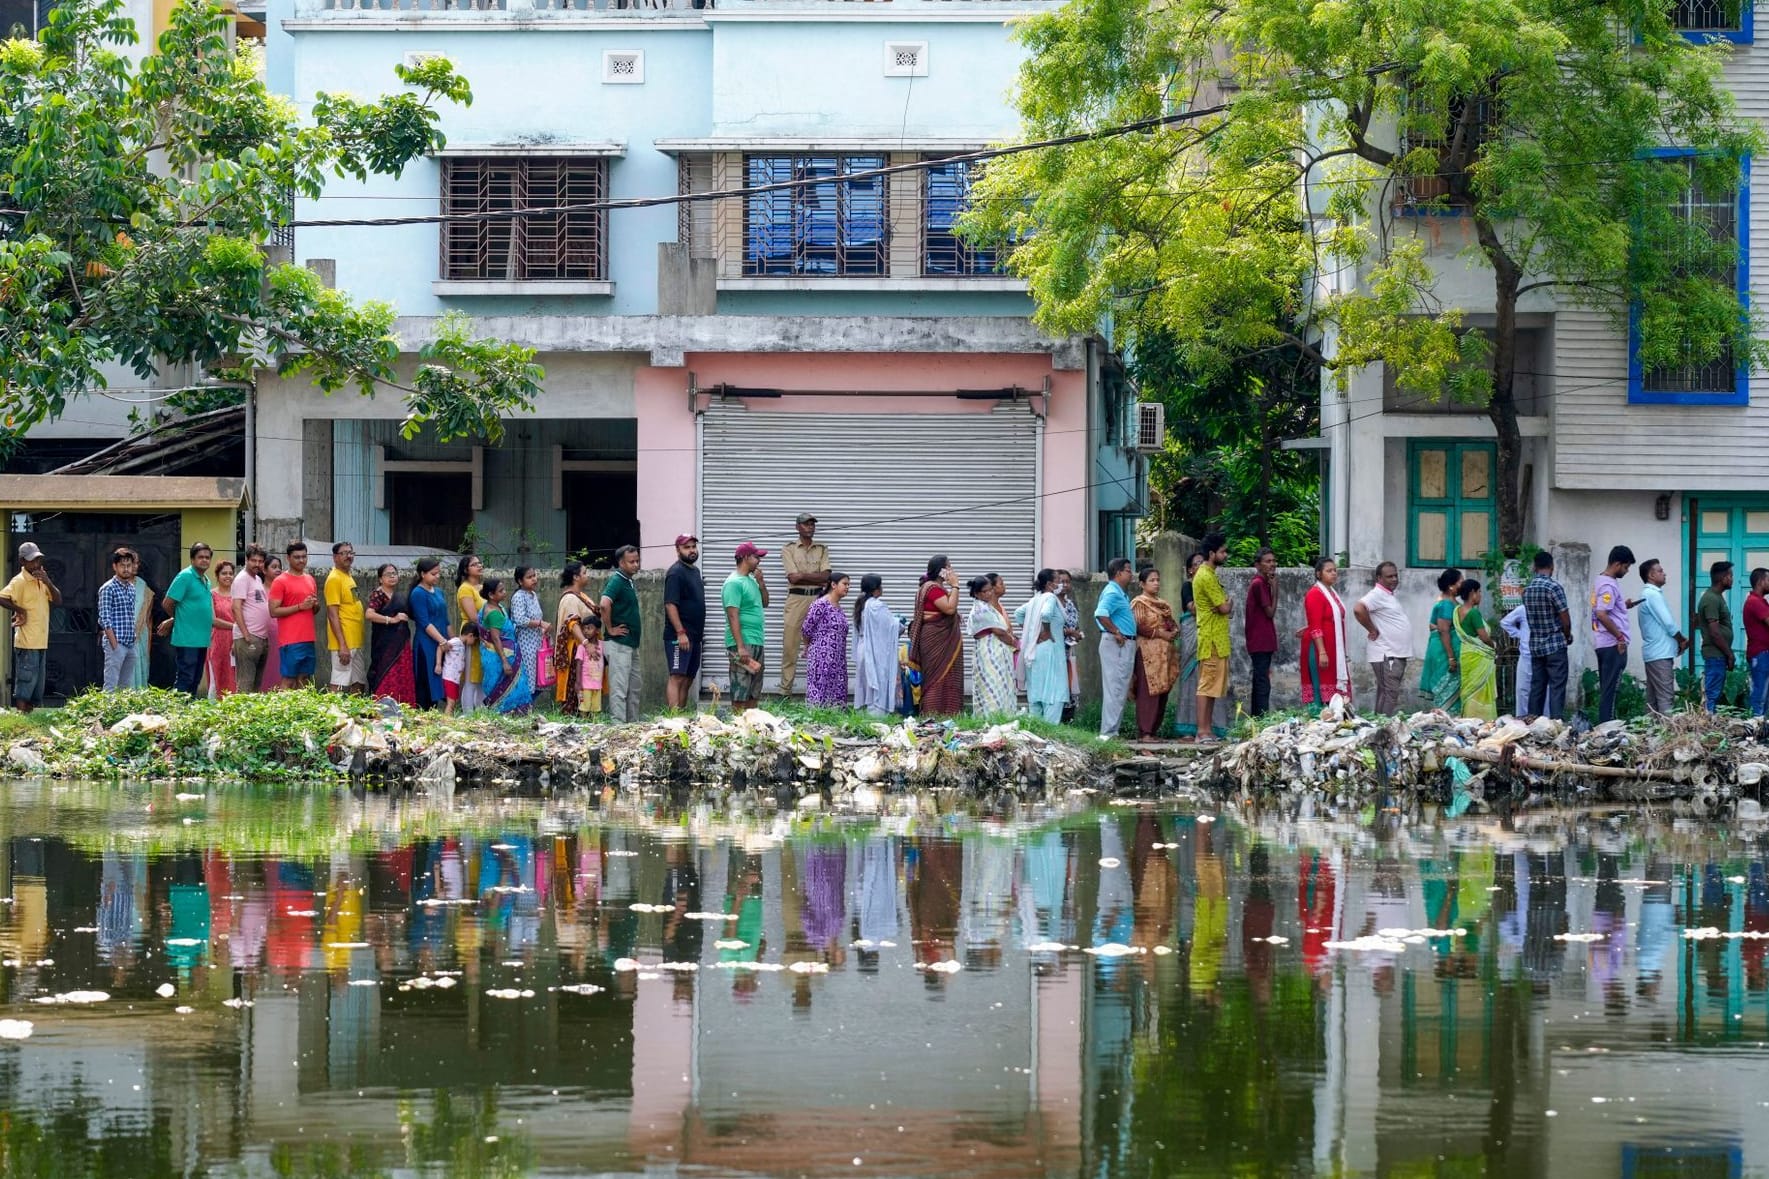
(623, 67)
(905, 59)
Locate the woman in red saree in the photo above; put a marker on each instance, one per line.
(936, 645)
(1326, 655)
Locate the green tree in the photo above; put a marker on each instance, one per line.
(1268, 221)
(137, 195)
(1225, 465)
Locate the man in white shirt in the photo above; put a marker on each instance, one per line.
(1516, 624)
(1390, 635)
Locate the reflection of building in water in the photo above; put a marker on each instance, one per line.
(1250, 1045)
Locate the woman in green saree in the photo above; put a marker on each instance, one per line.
(1479, 676)
(1441, 679)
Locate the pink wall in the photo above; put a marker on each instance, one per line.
(668, 469)
(667, 452)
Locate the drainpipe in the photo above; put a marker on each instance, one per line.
(252, 461)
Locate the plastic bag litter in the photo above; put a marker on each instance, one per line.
(1704, 759)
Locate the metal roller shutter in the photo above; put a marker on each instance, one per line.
(889, 490)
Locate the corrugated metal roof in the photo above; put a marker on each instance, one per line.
(113, 491)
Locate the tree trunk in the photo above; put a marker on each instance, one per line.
(1502, 408)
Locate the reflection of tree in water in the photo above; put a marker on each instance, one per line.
(1223, 1084)
(79, 1140)
(464, 1136)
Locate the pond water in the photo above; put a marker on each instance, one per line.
(246, 983)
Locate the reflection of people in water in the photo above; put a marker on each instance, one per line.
(1657, 932)
(1151, 875)
(1210, 914)
(986, 902)
(682, 937)
(1258, 918)
(878, 895)
(1315, 891)
(934, 868)
(744, 899)
(1609, 917)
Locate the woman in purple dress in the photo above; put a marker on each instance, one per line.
(826, 647)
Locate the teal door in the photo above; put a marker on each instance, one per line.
(1725, 528)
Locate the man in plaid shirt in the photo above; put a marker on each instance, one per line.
(1550, 634)
(117, 617)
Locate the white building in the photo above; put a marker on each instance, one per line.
(1667, 464)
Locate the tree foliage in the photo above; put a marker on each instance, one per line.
(1224, 465)
(137, 196)
(1519, 134)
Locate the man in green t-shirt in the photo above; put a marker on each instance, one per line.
(1716, 632)
(744, 597)
(621, 627)
(191, 603)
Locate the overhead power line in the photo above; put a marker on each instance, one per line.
(649, 202)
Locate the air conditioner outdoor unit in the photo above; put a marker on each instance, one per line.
(1151, 426)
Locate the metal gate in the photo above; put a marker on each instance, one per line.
(76, 548)
(889, 490)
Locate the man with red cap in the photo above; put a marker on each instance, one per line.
(744, 597)
(684, 623)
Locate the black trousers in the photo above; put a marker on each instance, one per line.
(1610, 662)
(1261, 701)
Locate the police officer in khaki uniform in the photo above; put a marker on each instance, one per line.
(807, 575)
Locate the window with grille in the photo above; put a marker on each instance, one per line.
(819, 224)
(569, 243)
(1454, 143)
(946, 194)
(1715, 213)
(1725, 18)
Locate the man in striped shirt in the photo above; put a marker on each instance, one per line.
(117, 616)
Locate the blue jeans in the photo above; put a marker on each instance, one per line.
(1714, 679)
(1759, 682)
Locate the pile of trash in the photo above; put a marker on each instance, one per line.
(756, 749)
(1708, 765)
(153, 735)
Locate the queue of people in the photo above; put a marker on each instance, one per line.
(490, 644)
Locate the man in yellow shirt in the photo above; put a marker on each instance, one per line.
(350, 657)
(28, 597)
(1212, 607)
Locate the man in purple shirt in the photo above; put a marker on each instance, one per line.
(1609, 628)
(1259, 623)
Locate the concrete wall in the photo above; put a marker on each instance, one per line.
(1417, 592)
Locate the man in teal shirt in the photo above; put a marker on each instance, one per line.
(191, 604)
(744, 597)
(1117, 644)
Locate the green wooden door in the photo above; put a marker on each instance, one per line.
(1725, 528)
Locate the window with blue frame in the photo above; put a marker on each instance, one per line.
(1720, 216)
(817, 223)
(1715, 20)
(1452, 510)
(946, 195)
